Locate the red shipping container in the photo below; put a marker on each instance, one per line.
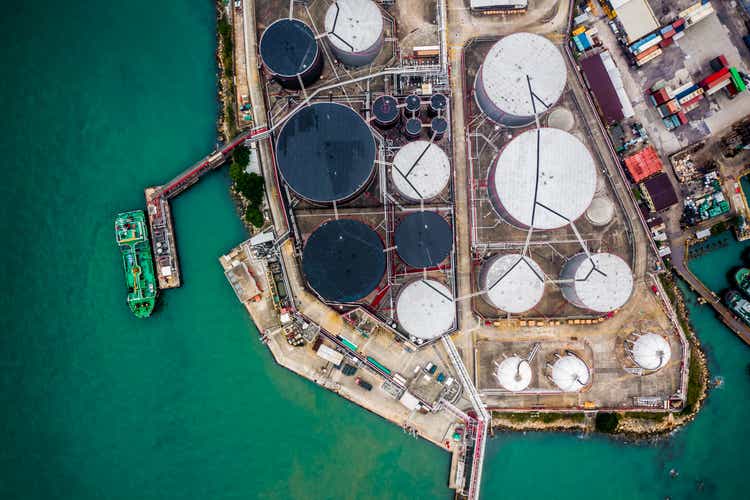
(661, 96)
(647, 52)
(666, 42)
(678, 23)
(706, 82)
(681, 116)
(673, 106)
(722, 79)
(723, 60)
(668, 34)
(692, 101)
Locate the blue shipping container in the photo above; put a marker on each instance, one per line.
(585, 41)
(634, 46)
(686, 92)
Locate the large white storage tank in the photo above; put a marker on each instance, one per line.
(355, 31)
(543, 178)
(649, 351)
(513, 373)
(602, 282)
(570, 373)
(425, 309)
(421, 170)
(512, 283)
(511, 66)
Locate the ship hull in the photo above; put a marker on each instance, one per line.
(131, 234)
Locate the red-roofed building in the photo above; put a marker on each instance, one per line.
(643, 164)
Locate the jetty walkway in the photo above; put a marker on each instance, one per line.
(160, 222)
(679, 263)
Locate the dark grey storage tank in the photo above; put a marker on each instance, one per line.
(413, 128)
(343, 260)
(385, 111)
(291, 53)
(326, 153)
(413, 105)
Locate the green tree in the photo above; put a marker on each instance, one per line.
(607, 422)
(236, 172)
(254, 216)
(251, 186)
(241, 155)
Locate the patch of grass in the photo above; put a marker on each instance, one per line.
(250, 185)
(647, 415)
(545, 417)
(225, 34)
(668, 286)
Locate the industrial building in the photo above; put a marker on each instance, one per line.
(636, 17)
(543, 178)
(648, 350)
(291, 53)
(499, 6)
(512, 283)
(423, 239)
(659, 192)
(643, 164)
(570, 373)
(600, 282)
(605, 82)
(326, 153)
(513, 373)
(343, 260)
(425, 310)
(421, 170)
(354, 31)
(516, 68)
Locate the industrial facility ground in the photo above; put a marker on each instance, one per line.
(686, 60)
(380, 343)
(550, 248)
(601, 347)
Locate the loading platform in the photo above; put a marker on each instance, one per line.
(160, 215)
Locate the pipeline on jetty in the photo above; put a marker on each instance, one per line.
(160, 215)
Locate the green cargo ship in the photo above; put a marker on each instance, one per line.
(738, 306)
(132, 237)
(742, 279)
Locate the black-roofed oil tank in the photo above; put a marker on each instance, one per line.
(423, 239)
(326, 153)
(343, 260)
(291, 53)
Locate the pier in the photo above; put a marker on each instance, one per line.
(160, 221)
(680, 264)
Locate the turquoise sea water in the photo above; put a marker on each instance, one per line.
(102, 99)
